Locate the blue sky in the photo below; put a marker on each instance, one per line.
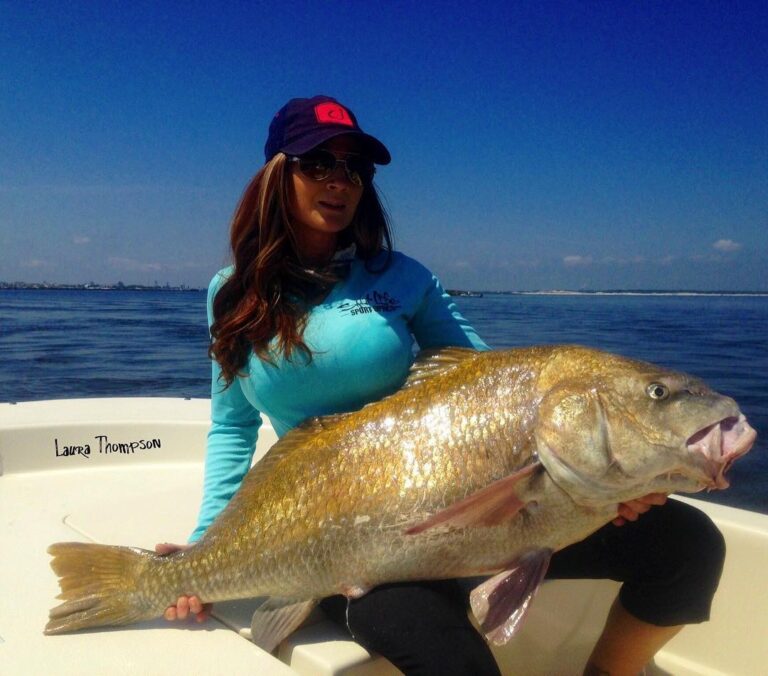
(536, 145)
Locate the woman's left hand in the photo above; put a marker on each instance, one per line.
(185, 606)
(632, 509)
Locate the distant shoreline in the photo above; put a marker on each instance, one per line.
(42, 286)
(608, 292)
(630, 292)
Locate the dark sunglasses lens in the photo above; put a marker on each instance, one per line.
(359, 170)
(317, 166)
(320, 164)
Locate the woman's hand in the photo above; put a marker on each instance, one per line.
(632, 509)
(185, 604)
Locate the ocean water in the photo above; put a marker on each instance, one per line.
(59, 344)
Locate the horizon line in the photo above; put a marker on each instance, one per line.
(122, 286)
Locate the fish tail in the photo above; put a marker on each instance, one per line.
(99, 586)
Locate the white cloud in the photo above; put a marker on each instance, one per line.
(134, 265)
(187, 265)
(726, 245)
(81, 239)
(572, 261)
(33, 263)
(614, 260)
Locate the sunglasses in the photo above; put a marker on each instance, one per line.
(319, 165)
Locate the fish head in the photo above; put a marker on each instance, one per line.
(612, 429)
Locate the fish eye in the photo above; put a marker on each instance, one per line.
(657, 391)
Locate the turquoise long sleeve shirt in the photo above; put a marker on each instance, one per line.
(362, 339)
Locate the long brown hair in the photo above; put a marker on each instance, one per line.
(268, 295)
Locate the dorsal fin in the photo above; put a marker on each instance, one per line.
(297, 437)
(263, 470)
(431, 363)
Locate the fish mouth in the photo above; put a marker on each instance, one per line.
(721, 444)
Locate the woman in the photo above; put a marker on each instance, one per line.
(317, 316)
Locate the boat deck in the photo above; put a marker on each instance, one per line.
(129, 471)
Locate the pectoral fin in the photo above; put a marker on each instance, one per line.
(501, 603)
(276, 619)
(490, 506)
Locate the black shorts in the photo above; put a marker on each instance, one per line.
(669, 561)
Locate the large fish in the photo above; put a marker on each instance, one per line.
(483, 463)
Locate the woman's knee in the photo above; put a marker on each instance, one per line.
(698, 541)
(422, 628)
(681, 575)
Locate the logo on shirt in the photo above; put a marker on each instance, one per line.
(374, 301)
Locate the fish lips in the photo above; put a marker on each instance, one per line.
(720, 444)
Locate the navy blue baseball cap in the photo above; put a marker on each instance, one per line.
(303, 124)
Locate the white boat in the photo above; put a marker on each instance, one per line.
(129, 471)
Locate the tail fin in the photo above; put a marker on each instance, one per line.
(99, 586)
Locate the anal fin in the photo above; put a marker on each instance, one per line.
(500, 603)
(276, 619)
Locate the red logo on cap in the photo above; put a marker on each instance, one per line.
(332, 113)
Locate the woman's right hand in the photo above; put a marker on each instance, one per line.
(185, 605)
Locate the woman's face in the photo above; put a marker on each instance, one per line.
(322, 209)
